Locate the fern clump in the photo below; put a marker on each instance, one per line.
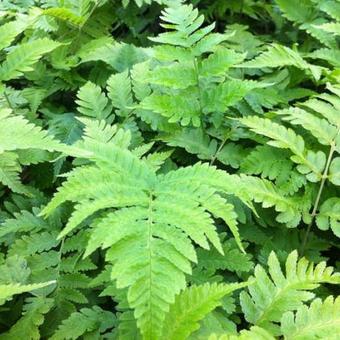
(156, 241)
(169, 169)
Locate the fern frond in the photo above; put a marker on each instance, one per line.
(183, 107)
(218, 63)
(35, 243)
(310, 163)
(119, 91)
(9, 172)
(218, 98)
(65, 14)
(24, 221)
(87, 320)
(191, 306)
(330, 55)
(332, 27)
(185, 23)
(233, 259)
(278, 56)
(319, 321)
(10, 30)
(263, 191)
(321, 129)
(27, 327)
(334, 169)
(27, 136)
(329, 215)
(176, 76)
(267, 161)
(193, 141)
(24, 56)
(92, 101)
(7, 291)
(255, 333)
(159, 219)
(327, 107)
(305, 13)
(298, 12)
(274, 294)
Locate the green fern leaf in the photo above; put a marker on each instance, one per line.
(310, 163)
(332, 27)
(319, 321)
(277, 56)
(183, 108)
(191, 306)
(27, 136)
(220, 97)
(185, 22)
(255, 333)
(334, 171)
(218, 63)
(162, 229)
(329, 215)
(119, 91)
(92, 101)
(193, 140)
(10, 30)
(321, 129)
(9, 172)
(274, 294)
(263, 191)
(24, 221)
(176, 76)
(23, 57)
(27, 327)
(87, 320)
(7, 291)
(65, 14)
(34, 243)
(305, 13)
(299, 12)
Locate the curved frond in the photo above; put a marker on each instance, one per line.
(274, 294)
(319, 321)
(191, 306)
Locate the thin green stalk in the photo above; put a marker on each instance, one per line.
(213, 158)
(8, 101)
(317, 200)
(199, 91)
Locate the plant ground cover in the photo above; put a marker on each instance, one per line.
(169, 169)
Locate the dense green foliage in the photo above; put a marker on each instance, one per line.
(169, 169)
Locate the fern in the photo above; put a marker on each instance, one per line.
(7, 291)
(306, 15)
(328, 216)
(152, 153)
(320, 320)
(28, 136)
(274, 294)
(21, 59)
(191, 306)
(86, 321)
(278, 56)
(92, 102)
(310, 163)
(189, 88)
(9, 172)
(164, 230)
(33, 316)
(65, 14)
(256, 333)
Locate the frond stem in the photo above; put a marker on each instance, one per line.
(317, 200)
